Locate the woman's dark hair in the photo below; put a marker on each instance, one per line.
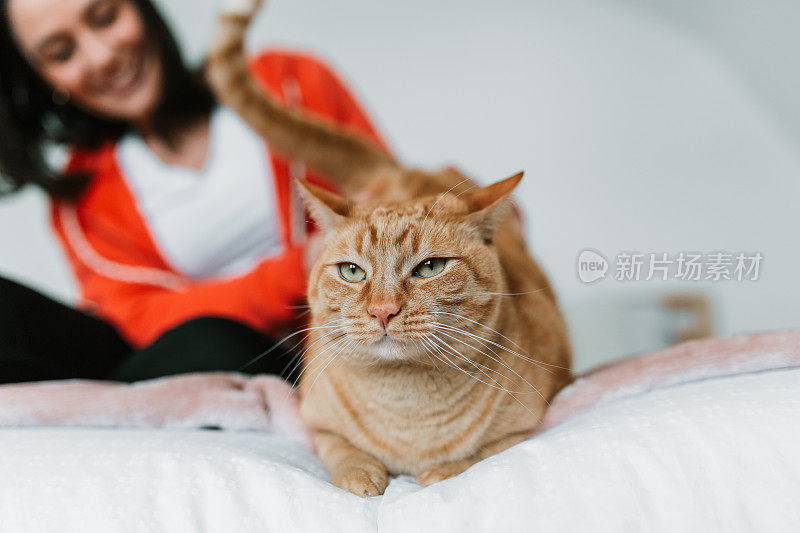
(30, 119)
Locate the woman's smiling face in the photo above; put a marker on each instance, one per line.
(95, 51)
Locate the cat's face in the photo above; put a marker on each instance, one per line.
(394, 276)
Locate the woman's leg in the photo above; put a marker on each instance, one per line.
(42, 339)
(208, 344)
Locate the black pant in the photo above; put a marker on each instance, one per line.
(41, 339)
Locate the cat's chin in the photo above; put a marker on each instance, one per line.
(388, 349)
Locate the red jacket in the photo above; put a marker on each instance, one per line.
(124, 279)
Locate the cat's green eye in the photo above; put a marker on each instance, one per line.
(352, 273)
(430, 267)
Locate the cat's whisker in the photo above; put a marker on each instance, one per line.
(337, 334)
(325, 353)
(447, 363)
(305, 337)
(514, 293)
(510, 379)
(467, 360)
(420, 343)
(473, 186)
(331, 360)
(484, 341)
(424, 220)
(428, 354)
(428, 344)
(510, 393)
(439, 325)
(286, 338)
(527, 358)
(303, 313)
(478, 366)
(462, 357)
(338, 341)
(498, 387)
(331, 336)
(462, 317)
(497, 360)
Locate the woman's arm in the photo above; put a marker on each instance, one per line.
(144, 302)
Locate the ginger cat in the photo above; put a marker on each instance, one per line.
(436, 340)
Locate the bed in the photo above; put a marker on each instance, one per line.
(703, 449)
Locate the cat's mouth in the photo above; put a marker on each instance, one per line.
(385, 339)
(389, 347)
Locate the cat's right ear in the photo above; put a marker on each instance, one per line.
(328, 209)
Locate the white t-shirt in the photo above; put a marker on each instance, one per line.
(219, 221)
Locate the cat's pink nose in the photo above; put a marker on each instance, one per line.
(384, 311)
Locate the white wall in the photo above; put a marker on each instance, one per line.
(635, 132)
(759, 39)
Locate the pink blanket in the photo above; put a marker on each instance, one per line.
(236, 402)
(682, 363)
(218, 400)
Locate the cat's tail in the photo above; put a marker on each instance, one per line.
(338, 154)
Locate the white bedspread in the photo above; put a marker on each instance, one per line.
(715, 455)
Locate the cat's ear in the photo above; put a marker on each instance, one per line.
(328, 209)
(488, 205)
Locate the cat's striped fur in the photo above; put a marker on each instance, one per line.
(405, 374)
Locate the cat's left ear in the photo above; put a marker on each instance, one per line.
(488, 205)
(327, 209)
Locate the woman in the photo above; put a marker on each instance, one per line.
(180, 227)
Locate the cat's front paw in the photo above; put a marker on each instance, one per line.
(443, 471)
(362, 480)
